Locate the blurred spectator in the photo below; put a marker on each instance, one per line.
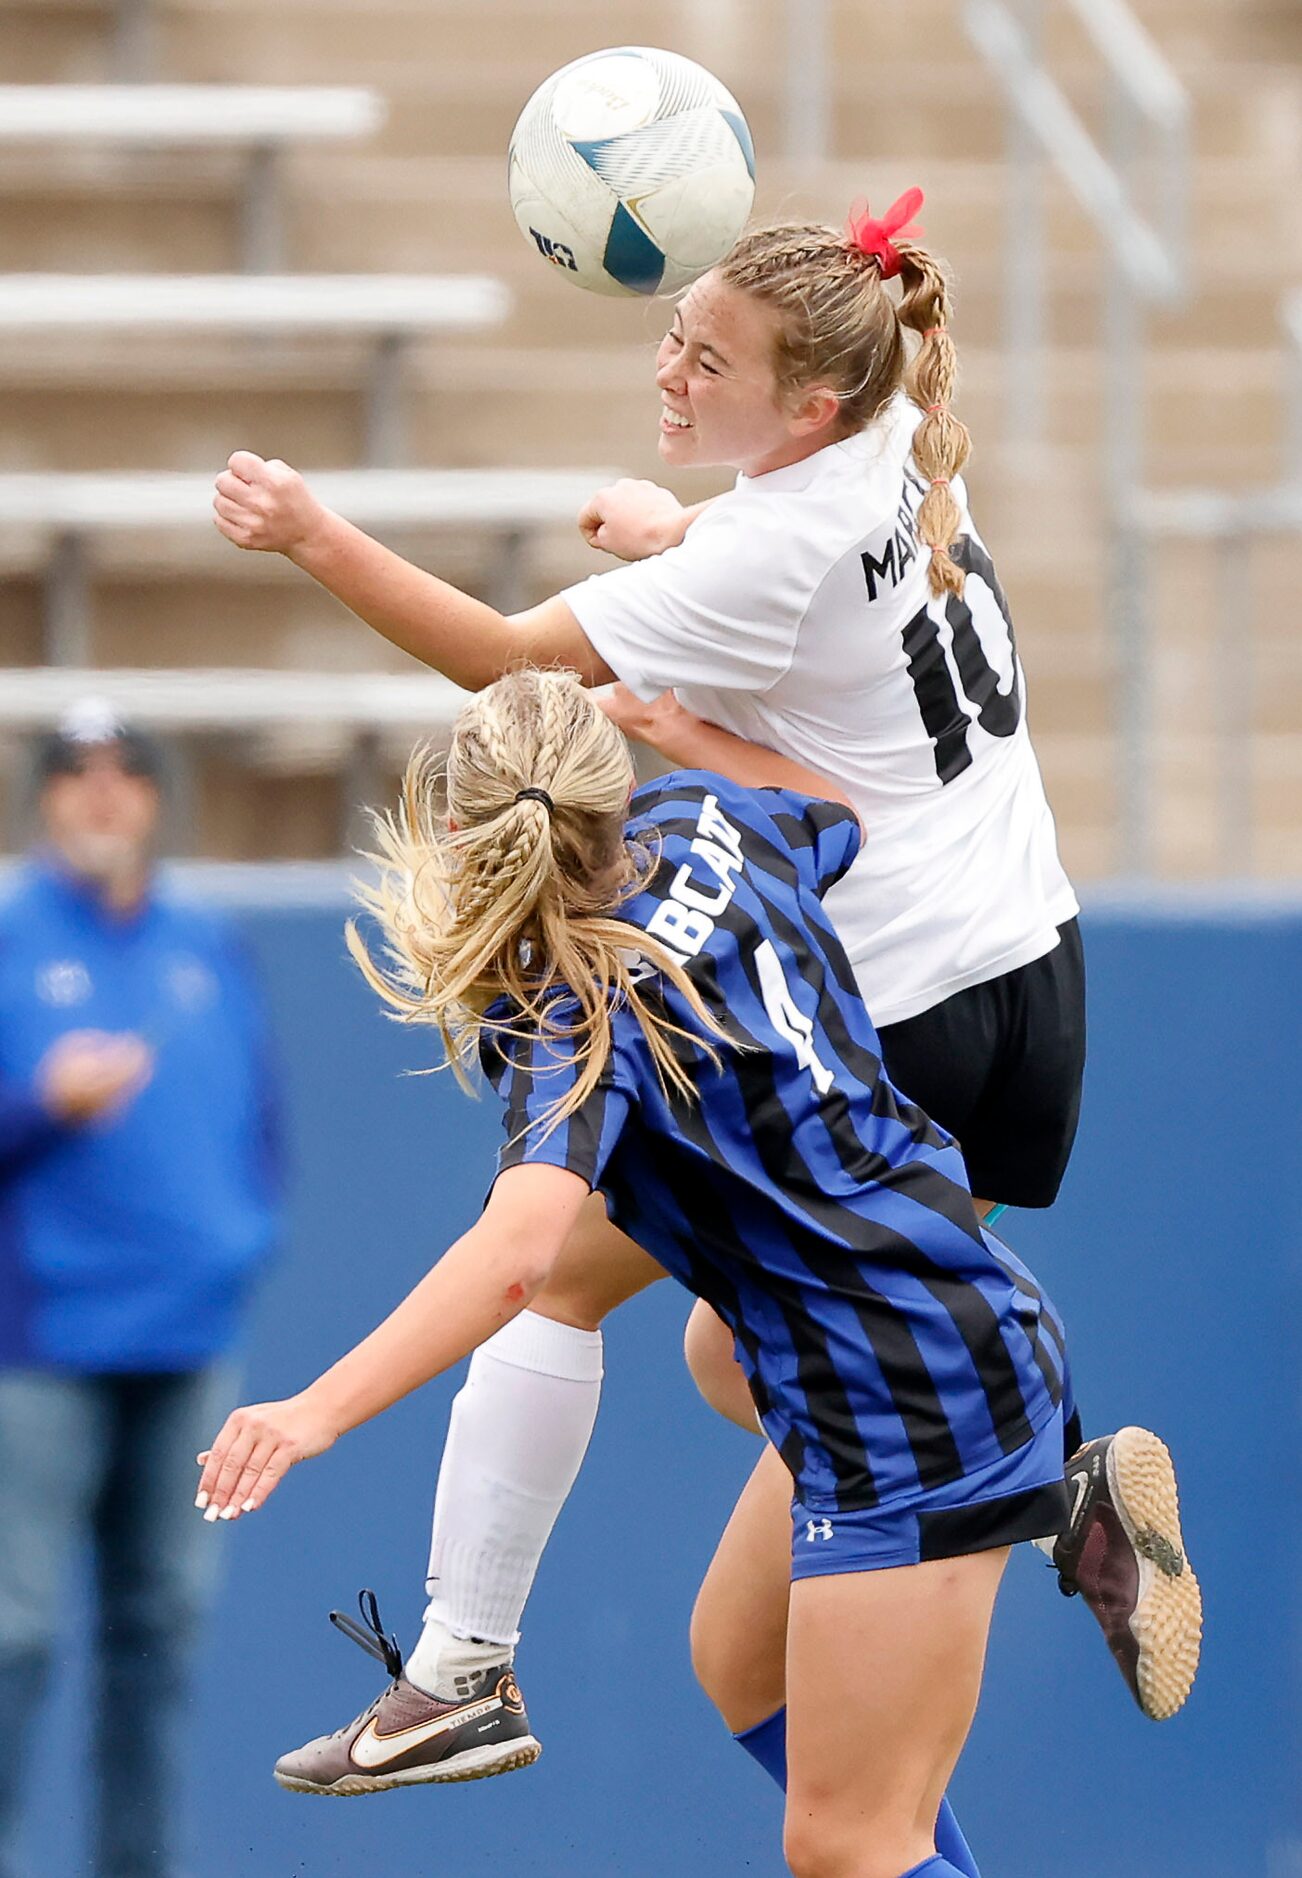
(137, 1201)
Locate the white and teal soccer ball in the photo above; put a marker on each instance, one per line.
(632, 171)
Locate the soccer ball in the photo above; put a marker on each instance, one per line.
(631, 171)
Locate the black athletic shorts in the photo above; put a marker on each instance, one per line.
(1000, 1065)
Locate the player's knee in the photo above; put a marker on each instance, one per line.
(743, 1678)
(819, 1845)
(707, 1345)
(708, 1662)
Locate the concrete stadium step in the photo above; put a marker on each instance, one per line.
(1215, 415)
(1069, 718)
(1080, 769)
(55, 45)
(441, 48)
(188, 606)
(1080, 764)
(410, 215)
(678, 21)
(447, 94)
(1249, 28)
(432, 192)
(390, 213)
(468, 107)
(550, 313)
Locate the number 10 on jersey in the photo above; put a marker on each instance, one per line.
(997, 712)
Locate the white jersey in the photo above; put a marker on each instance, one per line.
(797, 613)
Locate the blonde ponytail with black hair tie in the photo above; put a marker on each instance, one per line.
(536, 795)
(474, 907)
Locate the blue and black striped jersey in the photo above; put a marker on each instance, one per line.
(892, 1346)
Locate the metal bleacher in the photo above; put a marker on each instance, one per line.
(259, 121)
(563, 378)
(67, 517)
(386, 312)
(178, 334)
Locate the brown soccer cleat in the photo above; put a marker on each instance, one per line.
(406, 1738)
(1124, 1554)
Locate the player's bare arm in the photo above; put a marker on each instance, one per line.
(634, 519)
(484, 1280)
(690, 742)
(267, 507)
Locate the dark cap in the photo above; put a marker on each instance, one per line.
(89, 725)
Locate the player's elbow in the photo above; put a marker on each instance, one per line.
(550, 635)
(526, 1272)
(511, 1266)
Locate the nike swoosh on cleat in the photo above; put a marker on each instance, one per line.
(372, 1749)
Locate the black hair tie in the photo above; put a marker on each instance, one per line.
(536, 795)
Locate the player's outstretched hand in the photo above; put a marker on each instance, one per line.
(255, 1450)
(264, 504)
(633, 519)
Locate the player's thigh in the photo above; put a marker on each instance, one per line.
(599, 1268)
(708, 1347)
(883, 1675)
(739, 1625)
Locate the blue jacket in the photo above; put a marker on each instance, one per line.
(129, 1244)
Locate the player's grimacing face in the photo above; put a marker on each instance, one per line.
(720, 403)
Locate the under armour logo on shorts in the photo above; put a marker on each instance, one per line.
(817, 1529)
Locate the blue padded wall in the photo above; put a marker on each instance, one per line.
(1174, 1255)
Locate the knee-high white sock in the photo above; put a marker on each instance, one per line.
(517, 1436)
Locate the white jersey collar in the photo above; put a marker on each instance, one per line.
(892, 434)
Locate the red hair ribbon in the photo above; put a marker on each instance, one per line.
(875, 237)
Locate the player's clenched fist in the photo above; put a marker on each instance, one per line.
(264, 504)
(633, 519)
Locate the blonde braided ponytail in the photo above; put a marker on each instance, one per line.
(941, 444)
(513, 892)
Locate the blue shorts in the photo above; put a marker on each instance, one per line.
(1021, 1496)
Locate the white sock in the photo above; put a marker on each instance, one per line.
(516, 1439)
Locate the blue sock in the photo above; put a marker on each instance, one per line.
(952, 1851)
(767, 1744)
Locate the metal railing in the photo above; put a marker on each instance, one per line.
(1232, 524)
(1146, 103)
(1291, 313)
(807, 106)
(1147, 139)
